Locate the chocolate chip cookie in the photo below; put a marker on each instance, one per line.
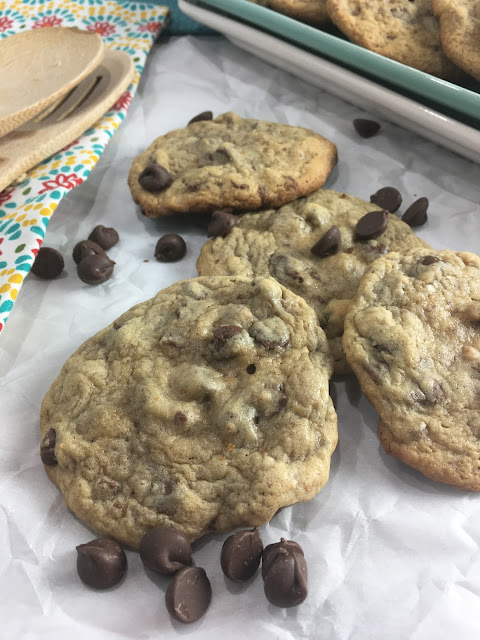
(313, 12)
(229, 162)
(402, 30)
(460, 32)
(319, 247)
(412, 337)
(203, 409)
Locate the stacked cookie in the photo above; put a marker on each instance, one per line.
(412, 337)
(203, 409)
(439, 37)
(207, 408)
(312, 12)
(318, 246)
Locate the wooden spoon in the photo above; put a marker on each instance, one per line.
(40, 66)
(31, 143)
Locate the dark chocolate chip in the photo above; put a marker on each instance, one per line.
(84, 249)
(371, 225)
(366, 128)
(284, 572)
(95, 269)
(373, 371)
(251, 369)
(224, 333)
(48, 263)
(221, 223)
(387, 198)
(47, 448)
(170, 247)
(241, 555)
(165, 550)
(222, 156)
(101, 563)
(416, 214)
(282, 397)
(188, 595)
(429, 260)
(105, 237)
(329, 243)
(271, 550)
(180, 418)
(154, 178)
(205, 115)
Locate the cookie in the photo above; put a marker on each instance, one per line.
(312, 12)
(460, 32)
(279, 243)
(402, 30)
(229, 162)
(412, 337)
(203, 409)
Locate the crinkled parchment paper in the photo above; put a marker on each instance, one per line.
(391, 555)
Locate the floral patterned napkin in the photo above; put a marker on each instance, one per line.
(25, 209)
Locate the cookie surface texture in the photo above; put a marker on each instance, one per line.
(235, 163)
(460, 32)
(203, 409)
(313, 12)
(412, 337)
(278, 243)
(402, 30)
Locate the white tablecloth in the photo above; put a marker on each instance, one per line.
(391, 555)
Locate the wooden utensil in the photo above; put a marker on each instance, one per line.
(38, 67)
(34, 141)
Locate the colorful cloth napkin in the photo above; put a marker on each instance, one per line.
(25, 209)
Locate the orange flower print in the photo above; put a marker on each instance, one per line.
(47, 21)
(5, 23)
(123, 102)
(150, 27)
(102, 28)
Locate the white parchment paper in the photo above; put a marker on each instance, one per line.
(391, 555)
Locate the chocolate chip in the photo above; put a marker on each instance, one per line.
(284, 572)
(180, 418)
(387, 198)
(241, 555)
(224, 333)
(165, 550)
(188, 595)
(101, 563)
(221, 223)
(154, 178)
(105, 237)
(251, 369)
(220, 157)
(84, 249)
(366, 128)
(48, 263)
(371, 225)
(282, 397)
(373, 371)
(205, 115)
(329, 243)
(429, 260)
(416, 214)
(47, 448)
(95, 269)
(170, 247)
